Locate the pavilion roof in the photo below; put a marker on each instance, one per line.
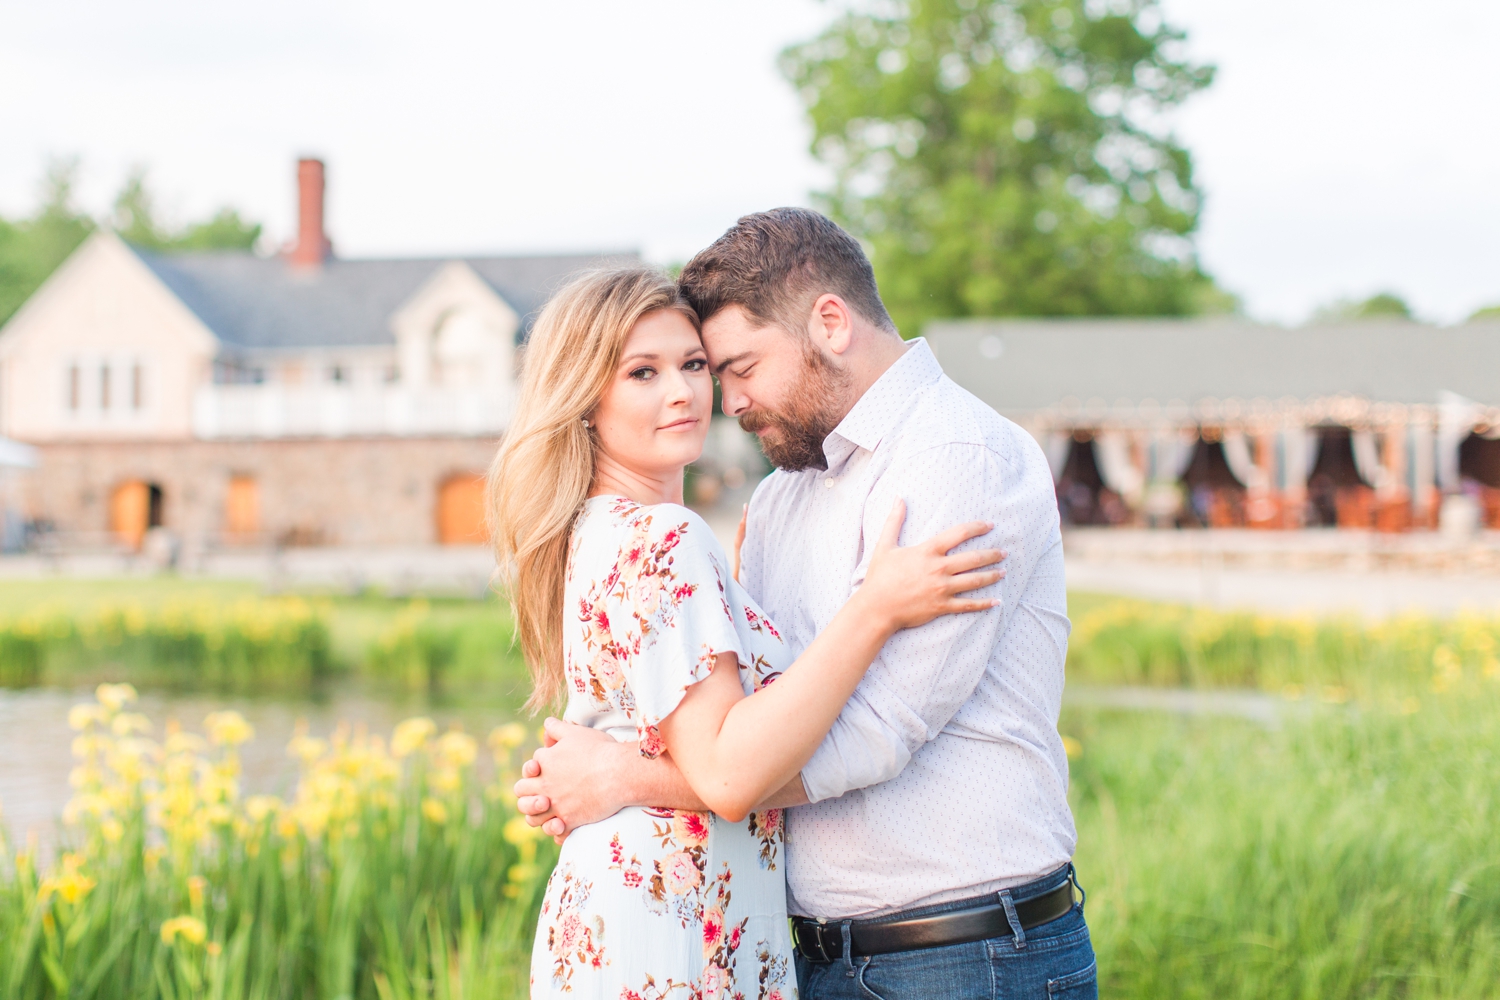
(1032, 367)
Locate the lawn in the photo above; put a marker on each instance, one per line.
(1350, 853)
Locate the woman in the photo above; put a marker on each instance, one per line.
(624, 600)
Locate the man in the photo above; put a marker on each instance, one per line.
(929, 846)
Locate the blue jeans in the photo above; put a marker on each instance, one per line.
(1051, 960)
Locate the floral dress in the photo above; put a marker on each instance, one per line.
(660, 903)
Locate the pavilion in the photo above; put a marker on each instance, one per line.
(1228, 423)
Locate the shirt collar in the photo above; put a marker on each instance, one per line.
(874, 413)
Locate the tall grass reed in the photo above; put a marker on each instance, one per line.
(391, 873)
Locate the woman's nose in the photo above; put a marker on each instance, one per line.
(679, 389)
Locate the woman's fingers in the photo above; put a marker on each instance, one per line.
(963, 605)
(961, 582)
(953, 537)
(892, 530)
(962, 562)
(739, 542)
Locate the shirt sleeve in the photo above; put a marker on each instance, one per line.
(672, 616)
(922, 676)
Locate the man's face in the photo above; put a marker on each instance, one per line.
(778, 384)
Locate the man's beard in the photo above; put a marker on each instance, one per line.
(813, 408)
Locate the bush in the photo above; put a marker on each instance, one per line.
(1136, 642)
(259, 644)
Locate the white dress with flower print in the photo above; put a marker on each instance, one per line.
(660, 903)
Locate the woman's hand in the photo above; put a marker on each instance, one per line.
(739, 542)
(910, 586)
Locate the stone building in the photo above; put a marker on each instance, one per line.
(231, 399)
(1375, 425)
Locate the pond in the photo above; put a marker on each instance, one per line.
(36, 754)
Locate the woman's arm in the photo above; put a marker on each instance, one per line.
(734, 751)
(584, 776)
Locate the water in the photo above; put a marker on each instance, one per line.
(36, 754)
(36, 743)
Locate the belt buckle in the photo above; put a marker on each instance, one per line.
(803, 945)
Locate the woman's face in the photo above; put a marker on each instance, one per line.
(654, 415)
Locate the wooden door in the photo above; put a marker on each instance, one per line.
(242, 507)
(130, 512)
(460, 511)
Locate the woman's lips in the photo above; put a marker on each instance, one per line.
(681, 425)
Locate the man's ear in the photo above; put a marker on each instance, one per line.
(832, 323)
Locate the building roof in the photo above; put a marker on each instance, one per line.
(1027, 366)
(261, 303)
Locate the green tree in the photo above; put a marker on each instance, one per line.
(1485, 314)
(135, 214)
(136, 221)
(225, 231)
(1003, 158)
(32, 248)
(1382, 305)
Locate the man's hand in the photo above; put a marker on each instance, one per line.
(574, 780)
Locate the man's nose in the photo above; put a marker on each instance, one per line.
(735, 403)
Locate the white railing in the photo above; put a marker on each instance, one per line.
(277, 411)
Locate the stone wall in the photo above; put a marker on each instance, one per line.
(365, 492)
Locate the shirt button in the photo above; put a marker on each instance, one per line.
(828, 483)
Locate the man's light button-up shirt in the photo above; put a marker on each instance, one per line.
(944, 776)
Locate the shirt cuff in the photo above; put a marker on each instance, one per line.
(859, 751)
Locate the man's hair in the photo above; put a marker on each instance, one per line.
(775, 264)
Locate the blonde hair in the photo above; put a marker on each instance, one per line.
(544, 469)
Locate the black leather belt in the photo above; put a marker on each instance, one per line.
(820, 941)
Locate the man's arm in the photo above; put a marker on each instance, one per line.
(924, 675)
(583, 776)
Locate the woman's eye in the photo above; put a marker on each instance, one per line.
(695, 365)
(641, 374)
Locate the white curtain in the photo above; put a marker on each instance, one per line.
(1367, 459)
(1116, 467)
(1423, 468)
(1241, 462)
(1055, 446)
(1456, 416)
(1299, 449)
(1171, 454)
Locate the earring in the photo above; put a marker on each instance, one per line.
(585, 421)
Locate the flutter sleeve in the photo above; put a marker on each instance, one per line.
(673, 616)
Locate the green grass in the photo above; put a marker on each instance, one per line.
(1351, 853)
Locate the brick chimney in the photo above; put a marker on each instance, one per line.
(312, 246)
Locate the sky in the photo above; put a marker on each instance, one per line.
(1347, 146)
